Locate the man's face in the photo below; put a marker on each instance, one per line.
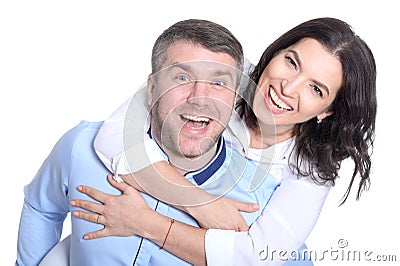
(191, 101)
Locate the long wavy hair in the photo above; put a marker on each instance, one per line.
(350, 130)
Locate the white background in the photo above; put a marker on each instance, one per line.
(66, 61)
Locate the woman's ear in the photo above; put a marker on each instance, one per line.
(323, 115)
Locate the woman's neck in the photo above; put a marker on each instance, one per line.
(261, 138)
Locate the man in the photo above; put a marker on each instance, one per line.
(192, 99)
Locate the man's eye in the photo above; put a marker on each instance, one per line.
(218, 83)
(183, 78)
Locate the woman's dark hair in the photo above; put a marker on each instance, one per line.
(350, 130)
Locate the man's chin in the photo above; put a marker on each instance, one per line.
(196, 148)
(191, 154)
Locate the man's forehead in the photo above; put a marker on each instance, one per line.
(181, 51)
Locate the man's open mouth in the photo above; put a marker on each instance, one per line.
(195, 122)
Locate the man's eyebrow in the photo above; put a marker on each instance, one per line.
(223, 73)
(184, 67)
(319, 84)
(188, 68)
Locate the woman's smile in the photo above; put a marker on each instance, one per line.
(275, 103)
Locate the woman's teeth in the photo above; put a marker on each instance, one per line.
(278, 102)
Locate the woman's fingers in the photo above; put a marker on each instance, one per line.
(92, 192)
(99, 195)
(122, 186)
(90, 217)
(115, 212)
(245, 206)
(97, 234)
(88, 205)
(95, 218)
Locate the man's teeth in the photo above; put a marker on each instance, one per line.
(278, 101)
(198, 122)
(196, 118)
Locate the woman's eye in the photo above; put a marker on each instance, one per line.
(317, 90)
(291, 61)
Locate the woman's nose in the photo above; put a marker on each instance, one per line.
(291, 87)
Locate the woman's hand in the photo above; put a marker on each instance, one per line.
(222, 213)
(121, 215)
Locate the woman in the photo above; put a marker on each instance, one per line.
(316, 93)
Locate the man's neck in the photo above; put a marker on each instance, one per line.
(184, 164)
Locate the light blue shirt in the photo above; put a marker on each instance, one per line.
(73, 162)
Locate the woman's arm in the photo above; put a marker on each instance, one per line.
(284, 225)
(124, 146)
(182, 240)
(209, 211)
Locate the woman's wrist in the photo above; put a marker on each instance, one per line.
(156, 227)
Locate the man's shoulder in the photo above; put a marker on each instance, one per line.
(82, 129)
(88, 125)
(84, 126)
(80, 137)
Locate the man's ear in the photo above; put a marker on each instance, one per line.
(150, 89)
(323, 115)
(236, 96)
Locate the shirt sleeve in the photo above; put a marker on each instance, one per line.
(285, 223)
(122, 143)
(46, 203)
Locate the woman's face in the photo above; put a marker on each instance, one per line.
(298, 84)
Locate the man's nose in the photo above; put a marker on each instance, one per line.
(200, 92)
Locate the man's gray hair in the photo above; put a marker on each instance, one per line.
(209, 35)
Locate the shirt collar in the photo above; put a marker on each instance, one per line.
(202, 175)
